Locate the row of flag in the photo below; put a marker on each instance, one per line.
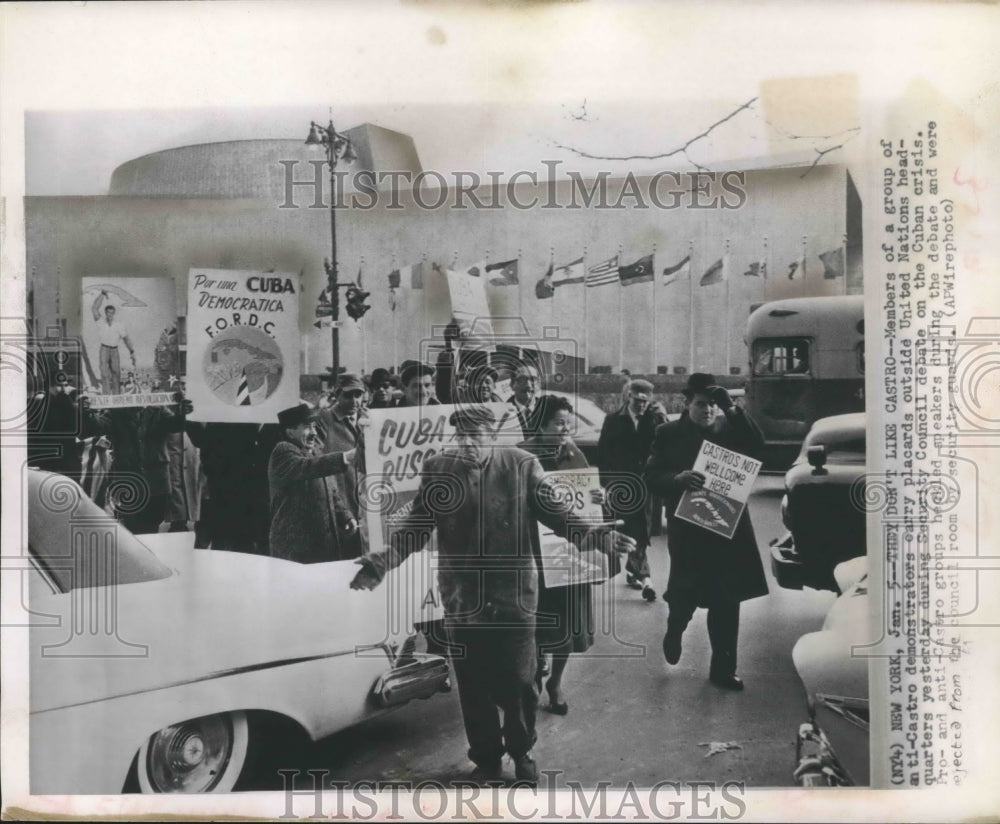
(507, 273)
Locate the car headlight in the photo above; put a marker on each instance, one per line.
(784, 513)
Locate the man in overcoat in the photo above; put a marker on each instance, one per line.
(307, 513)
(484, 500)
(622, 449)
(340, 430)
(706, 569)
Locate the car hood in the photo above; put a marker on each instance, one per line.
(218, 612)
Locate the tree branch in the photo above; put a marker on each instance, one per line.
(680, 150)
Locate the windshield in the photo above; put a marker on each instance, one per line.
(79, 545)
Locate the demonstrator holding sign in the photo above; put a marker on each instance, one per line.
(706, 568)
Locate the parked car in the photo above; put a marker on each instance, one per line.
(152, 658)
(821, 509)
(832, 747)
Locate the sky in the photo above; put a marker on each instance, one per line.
(479, 86)
(75, 152)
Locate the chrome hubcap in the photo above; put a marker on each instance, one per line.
(190, 757)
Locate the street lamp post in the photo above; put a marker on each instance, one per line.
(338, 147)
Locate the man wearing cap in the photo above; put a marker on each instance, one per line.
(308, 515)
(622, 450)
(339, 430)
(706, 569)
(485, 500)
(417, 381)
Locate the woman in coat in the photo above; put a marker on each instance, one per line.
(706, 569)
(565, 618)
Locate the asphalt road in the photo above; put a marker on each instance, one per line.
(632, 717)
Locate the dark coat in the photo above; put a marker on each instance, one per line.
(622, 451)
(307, 513)
(340, 435)
(530, 423)
(703, 565)
(485, 516)
(138, 438)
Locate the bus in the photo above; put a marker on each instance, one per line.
(807, 361)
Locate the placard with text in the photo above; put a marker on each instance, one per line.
(729, 479)
(243, 344)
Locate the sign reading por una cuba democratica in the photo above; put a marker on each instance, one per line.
(729, 479)
(243, 344)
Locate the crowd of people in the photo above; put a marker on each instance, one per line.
(291, 490)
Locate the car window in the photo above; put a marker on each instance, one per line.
(781, 356)
(80, 545)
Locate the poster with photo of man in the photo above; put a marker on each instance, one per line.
(131, 353)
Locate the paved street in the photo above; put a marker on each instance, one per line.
(632, 717)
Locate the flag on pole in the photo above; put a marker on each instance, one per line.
(505, 273)
(797, 269)
(716, 273)
(757, 269)
(833, 263)
(603, 273)
(243, 390)
(569, 273)
(678, 271)
(544, 288)
(639, 272)
(407, 277)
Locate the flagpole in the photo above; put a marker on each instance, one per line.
(586, 322)
(520, 295)
(362, 330)
(656, 291)
(764, 274)
(424, 277)
(729, 331)
(843, 255)
(552, 304)
(691, 308)
(803, 258)
(621, 315)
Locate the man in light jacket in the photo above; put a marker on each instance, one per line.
(485, 500)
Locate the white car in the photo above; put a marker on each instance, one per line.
(832, 748)
(172, 661)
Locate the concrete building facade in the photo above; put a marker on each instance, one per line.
(235, 206)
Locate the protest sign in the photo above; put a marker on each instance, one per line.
(729, 478)
(130, 346)
(243, 344)
(398, 442)
(468, 303)
(563, 564)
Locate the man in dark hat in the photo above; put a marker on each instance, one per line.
(706, 569)
(307, 513)
(488, 579)
(339, 427)
(622, 449)
(417, 382)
